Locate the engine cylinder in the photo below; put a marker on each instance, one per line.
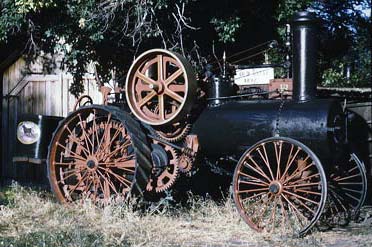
(219, 87)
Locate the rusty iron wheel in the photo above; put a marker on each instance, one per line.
(94, 155)
(347, 190)
(279, 185)
(160, 87)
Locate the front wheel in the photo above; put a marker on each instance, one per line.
(279, 185)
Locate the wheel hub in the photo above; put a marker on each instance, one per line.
(275, 187)
(159, 156)
(158, 88)
(91, 164)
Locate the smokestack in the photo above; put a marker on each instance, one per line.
(305, 55)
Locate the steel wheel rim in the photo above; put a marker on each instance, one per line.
(165, 97)
(91, 157)
(268, 200)
(347, 188)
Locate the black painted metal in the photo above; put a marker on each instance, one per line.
(304, 61)
(219, 87)
(36, 152)
(231, 128)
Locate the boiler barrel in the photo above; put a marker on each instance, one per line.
(233, 127)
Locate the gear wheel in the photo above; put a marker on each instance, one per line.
(185, 163)
(163, 177)
(174, 133)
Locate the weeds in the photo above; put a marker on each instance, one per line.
(34, 218)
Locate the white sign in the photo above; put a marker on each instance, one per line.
(253, 76)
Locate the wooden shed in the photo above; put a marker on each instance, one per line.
(38, 94)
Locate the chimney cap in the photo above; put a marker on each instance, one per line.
(304, 17)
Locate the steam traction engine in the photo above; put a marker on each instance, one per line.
(290, 159)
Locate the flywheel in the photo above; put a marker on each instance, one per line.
(160, 87)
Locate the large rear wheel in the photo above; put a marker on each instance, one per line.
(98, 153)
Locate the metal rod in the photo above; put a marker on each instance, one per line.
(244, 95)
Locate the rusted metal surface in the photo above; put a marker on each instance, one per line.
(174, 132)
(279, 184)
(93, 156)
(165, 169)
(161, 87)
(289, 149)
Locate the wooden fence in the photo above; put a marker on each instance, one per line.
(34, 94)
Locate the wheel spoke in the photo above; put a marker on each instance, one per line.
(75, 139)
(146, 79)
(301, 185)
(273, 213)
(108, 180)
(161, 107)
(309, 192)
(278, 158)
(106, 134)
(147, 98)
(75, 155)
(253, 190)
(86, 138)
(122, 179)
(179, 88)
(296, 172)
(253, 179)
(82, 179)
(173, 77)
(301, 197)
(304, 179)
(252, 183)
(289, 163)
(161, 68)
(348, 177)
(174, 95)
(265, 160)
(295, 208)
(258, 170)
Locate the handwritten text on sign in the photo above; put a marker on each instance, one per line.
(253, 76)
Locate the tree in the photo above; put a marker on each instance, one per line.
(109, 32)
(112, 32)
(345, 38)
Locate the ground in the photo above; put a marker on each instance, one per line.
(34, 218)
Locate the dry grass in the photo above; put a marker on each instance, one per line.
(34, 218)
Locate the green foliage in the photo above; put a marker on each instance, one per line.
(226, 29)
(344, 39)
(109, 33)
(27, 6)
